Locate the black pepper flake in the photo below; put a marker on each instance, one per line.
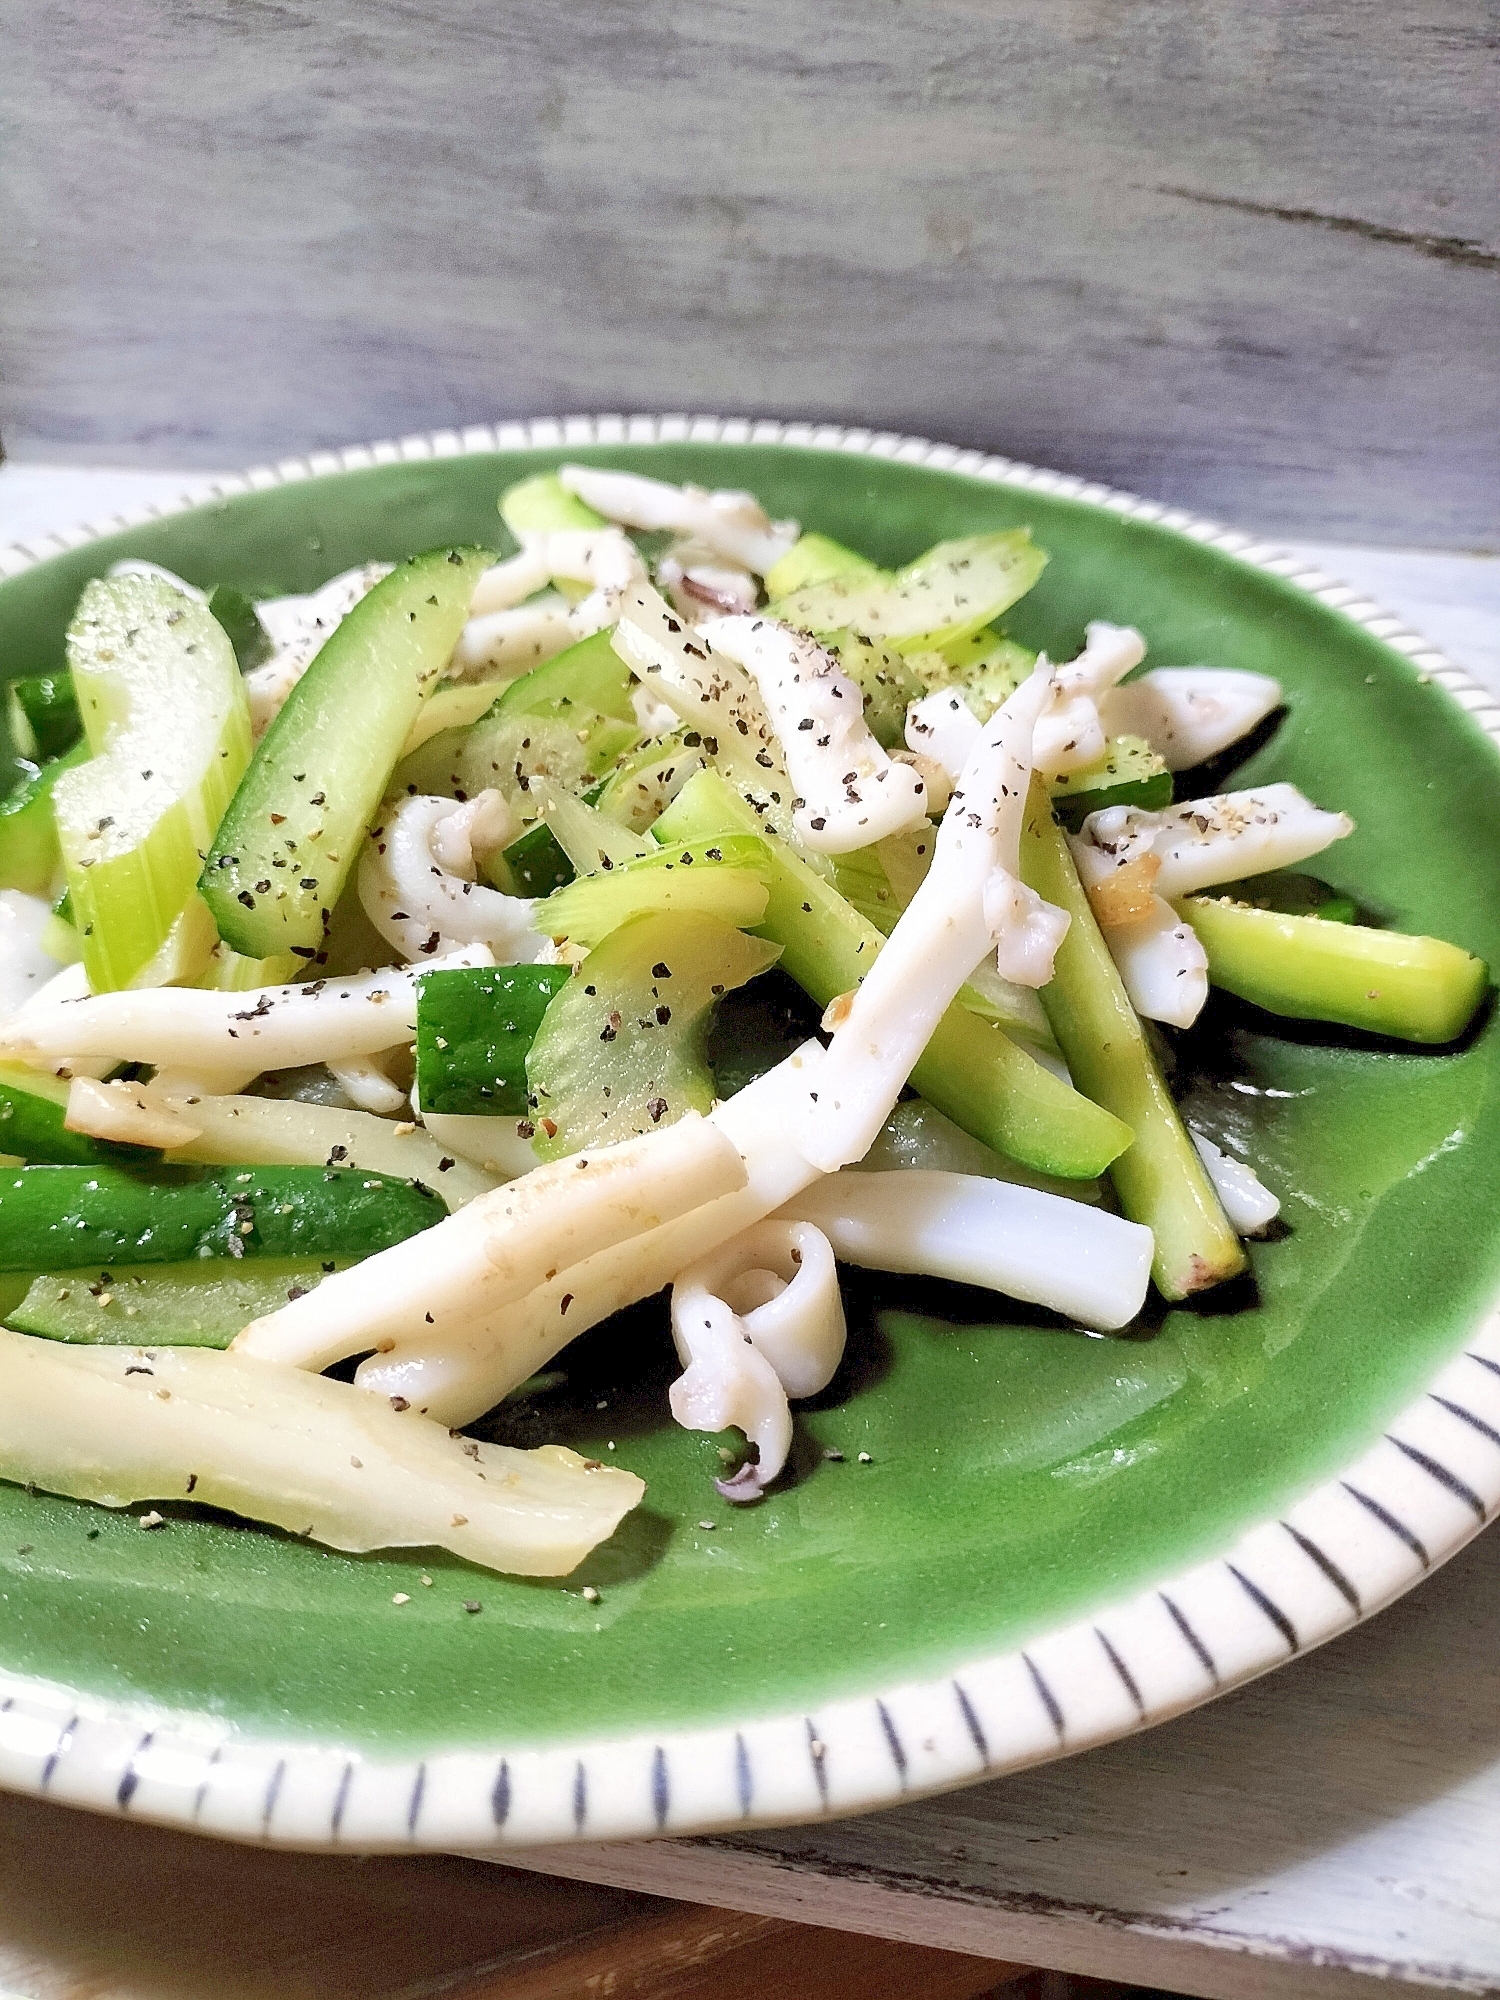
(661, 970)
(472, 1604)
(399, 1403)
(246, 898)
(663, 1015)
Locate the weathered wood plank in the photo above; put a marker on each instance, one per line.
(1243, 256)
(1335, 1824)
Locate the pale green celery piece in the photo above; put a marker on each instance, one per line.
(1128, 774)
(589, 837)
(622, 1049)
(985, 668)
(1419, 989)
(952, 591)
(290, 839)
(725, 878)
(814, 558)
(61, 941)
(165, 715)
(917, 1136)
(969, 1069)
(199, 1304)
(645, 781)
(228, 972)
(509, 753)
(884, 678)
(590, 674)
(539, 506)
(1159, 1178)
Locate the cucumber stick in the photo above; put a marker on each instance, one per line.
(475, 1027)
(623, 1049)
(726, 878)
(1159, 1177)
(1128, 774)
(62, 1217)
(811, 559)
(200, 1304)
(29, 853)
(541, 506)
(970, 1070)
(1416, 988)
(293, 832)
(42, 710)
(166, 718)
(33, 1107)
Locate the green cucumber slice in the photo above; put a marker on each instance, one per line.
(33, 1107)
(1128, 774)
(726, 878)
(42, 710)
(292, 835)
(953, 590)
(475, 1026)
(623, 1047)
(57, 1217)
(29, 852)
(812, 559)
(200, 1304)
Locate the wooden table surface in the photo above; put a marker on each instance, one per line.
(1335, 1824)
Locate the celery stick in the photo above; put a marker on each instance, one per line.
(646, 780)
(811, 559)
(475, 1027)
(970, 1069)
(885, 679)
(203, 1303)
(952, 591)
(43, 715)
(29, 852)
(1416, 988)
(623, 1049)
(293, 832)
(165, 714)
(228, 972)
(1159, 1178)
(726, 878)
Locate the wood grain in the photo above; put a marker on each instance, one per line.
(1331, 1829)
(1243, 256)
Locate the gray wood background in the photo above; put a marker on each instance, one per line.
(1242, 254)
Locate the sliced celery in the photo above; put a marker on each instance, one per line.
(293, 832)
(165, 714)
(623, 1048)
(952, 591)
(646, 780)
(1128, 774)
(726, 878)
(884, 678)
(590, 838)
(1419, 989)
(985, 668)
(1159, 1177)
(970, 1069)
(228, 972)
(29, 852)
(811, 559)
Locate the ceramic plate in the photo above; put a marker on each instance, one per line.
(1034, 1540)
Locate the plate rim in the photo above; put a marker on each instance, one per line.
(1343, 1551)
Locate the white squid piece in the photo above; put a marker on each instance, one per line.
(849, 791)
(459, 1370)
(971, 903)
(504, 1246)
(943, 728)
(1164, 967)
(730, 525)
(1041, 1248)
(1189, 714)
(418, 880)
(505, 634)
(1204, 842)
(367, 1086)
(1070, 734)
(701, 585)
(297, 628)
(269, 1027)
(758, 1320)
(1248, 1202)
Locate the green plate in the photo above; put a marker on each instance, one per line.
(1052, 1538)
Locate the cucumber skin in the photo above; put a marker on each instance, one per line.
(30, 853)
(325, 760)
(969, 1070)
(488, 1017)
(31, 1125)
(201, 1304)
(1416, 989)
(61, 1216)
(44, 708)
(1159, 1178)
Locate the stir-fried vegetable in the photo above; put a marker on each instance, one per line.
(475, 1028)
(42, 713)
(30, 855)
(203, 1303)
